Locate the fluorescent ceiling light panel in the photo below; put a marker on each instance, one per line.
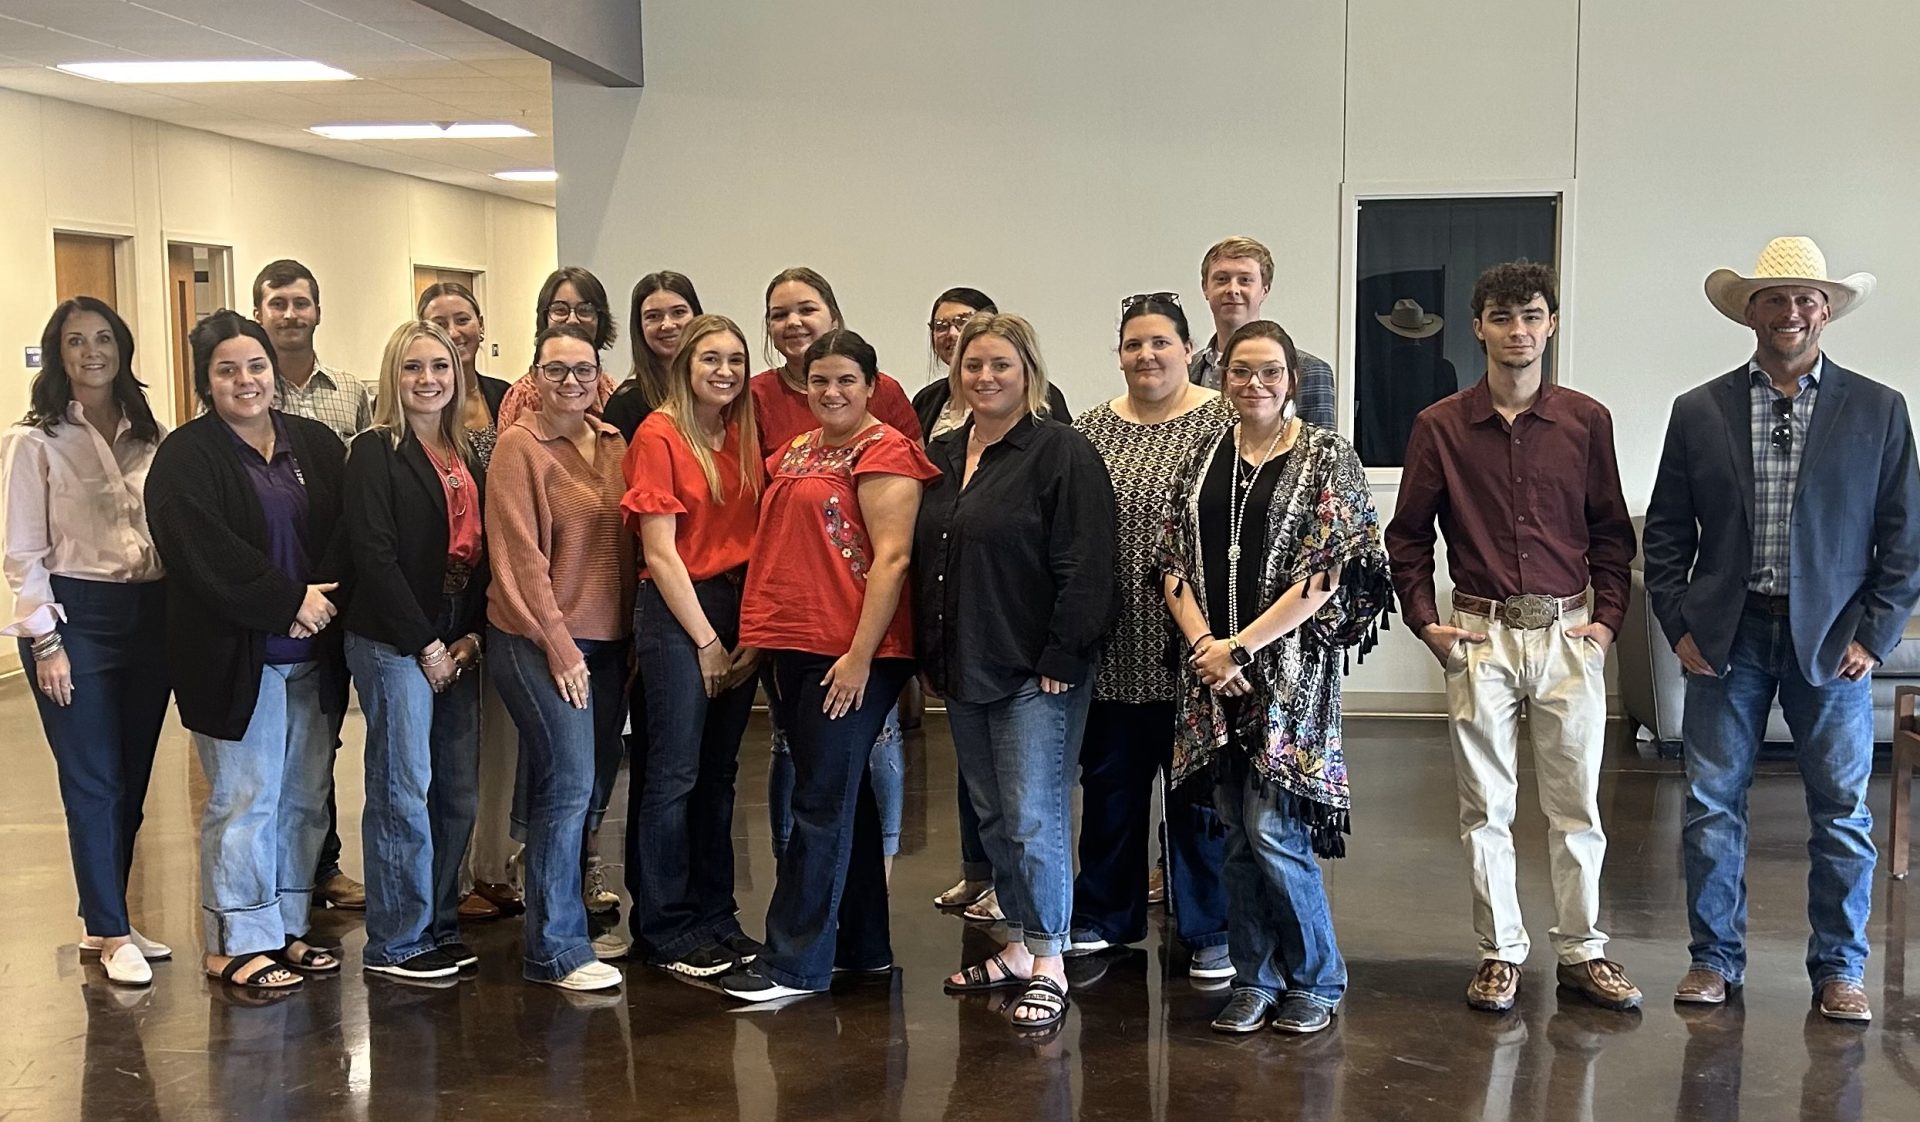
(167, 73)
(450, 130)
(531, 175)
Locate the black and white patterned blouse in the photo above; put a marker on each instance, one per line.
(1142, 460)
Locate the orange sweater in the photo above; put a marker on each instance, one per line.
(562, 561)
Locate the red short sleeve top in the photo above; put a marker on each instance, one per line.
(809, 574)
(664, 478)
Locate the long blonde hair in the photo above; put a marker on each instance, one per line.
(390, 417)
(679, 408)
(1020, 335)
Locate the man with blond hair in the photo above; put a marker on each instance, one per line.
(1236, 275)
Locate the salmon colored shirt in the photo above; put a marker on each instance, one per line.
(782, 413)
(663, 478)
(808, 579)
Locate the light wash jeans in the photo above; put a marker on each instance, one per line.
(1020, 756)
(266, 815)
(423, 776)
(1726, 720)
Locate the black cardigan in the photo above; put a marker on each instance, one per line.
(933, 397)
(224, 594)
(396, 531)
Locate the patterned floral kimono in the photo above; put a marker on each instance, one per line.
(1322, 517)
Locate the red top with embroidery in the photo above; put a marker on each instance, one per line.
(809, 573)
(663, 478)
(782, 413)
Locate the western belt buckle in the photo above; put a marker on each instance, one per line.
(1529, 612)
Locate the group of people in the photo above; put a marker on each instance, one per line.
(511, 575)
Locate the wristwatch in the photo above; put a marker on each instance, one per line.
(1241, 656)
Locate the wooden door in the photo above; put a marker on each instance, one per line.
(180, 317)
(425, 276)
(83, 266)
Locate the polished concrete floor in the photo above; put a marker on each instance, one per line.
(1135, 1046)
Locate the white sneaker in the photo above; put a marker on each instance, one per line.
(148, 948)
(592, 976)
(127, 966)
(611, 946)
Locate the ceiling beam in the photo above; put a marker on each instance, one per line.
(596, 39)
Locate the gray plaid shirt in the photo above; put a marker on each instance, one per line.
(335, 398)
(1775, 473)
(1316, 381)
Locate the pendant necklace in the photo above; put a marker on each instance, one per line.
(455, 482)
(1237, 496)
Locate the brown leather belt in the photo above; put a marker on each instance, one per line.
(455, 580)
(1767, 605)
(1523, 613)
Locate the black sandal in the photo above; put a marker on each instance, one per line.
(308, 961)
(1046, 995)
(978, 979)
(257, 981)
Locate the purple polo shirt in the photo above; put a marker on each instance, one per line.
(282, 492)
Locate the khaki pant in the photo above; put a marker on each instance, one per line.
(1562, 682)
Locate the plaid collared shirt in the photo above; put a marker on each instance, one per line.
(1775, 474)
(335, 398)
(1316, 382)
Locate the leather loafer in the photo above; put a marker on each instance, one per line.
(342, 891)
(1841, 1000)
(475, 906)
(1602, 982)
(1701, 987)
(1246, 1011)
(1495, 986)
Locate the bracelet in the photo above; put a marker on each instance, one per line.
(709, 642)
(1195, 645)
(47, 646)
(432, 658)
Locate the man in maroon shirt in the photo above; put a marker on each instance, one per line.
(1521, 475)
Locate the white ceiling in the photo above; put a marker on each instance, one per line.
(414, 64)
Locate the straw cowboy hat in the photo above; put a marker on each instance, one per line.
(1791, 260)
(1410, 321)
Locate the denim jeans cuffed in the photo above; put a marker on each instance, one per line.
(1020, 755)
(680, 810)
(103, 742)
(829, 905)
(1724, 726)
(974, 864)
(422, 792)
(265, 817)
(558, 748)
(1278, 917)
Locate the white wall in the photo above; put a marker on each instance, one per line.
(1061, 156)
(71, 167)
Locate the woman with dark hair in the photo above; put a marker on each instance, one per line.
(1144, 436)
(89, 606)
(413, 631)
(574, 297)
(1271, 566)
(693, 489)
(663, 303)
(487, 877)
(939, 408)
(244, 501)
(825, 597)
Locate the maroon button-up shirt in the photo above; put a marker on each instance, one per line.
(1532, 507)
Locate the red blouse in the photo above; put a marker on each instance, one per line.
(663, 478)
(783, 414)
(463, 508)
(809, 575)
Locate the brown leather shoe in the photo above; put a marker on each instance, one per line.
(475, 906)
(502, 896)
(1843, 1001)
(1701, 987)
(342, 891)
(1602, 982)
(1495, 986)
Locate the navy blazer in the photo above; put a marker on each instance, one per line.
(1855, 538)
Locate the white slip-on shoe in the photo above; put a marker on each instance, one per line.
(126, 966)
(150, 949)
(592, 976)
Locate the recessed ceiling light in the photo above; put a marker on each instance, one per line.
(531, 175)
(258, 70)
(443, 130)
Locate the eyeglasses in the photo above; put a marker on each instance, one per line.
(1271, 374)
(1139, 298)
(1782, 436)
(560, 371)
(951, 323)
(560, 309)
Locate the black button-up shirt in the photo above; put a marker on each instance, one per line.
(1014, 573)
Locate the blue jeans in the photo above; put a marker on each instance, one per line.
(1126, 745)
(266, 814)
(423, 790)
(103, 743)
(888, 765)
(558, 746)
(974, 864)
(1020, 755)
(829, 905)
(680, 795)
(1726, 720)
(1280, 923)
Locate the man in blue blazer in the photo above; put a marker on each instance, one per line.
(1783, 556)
